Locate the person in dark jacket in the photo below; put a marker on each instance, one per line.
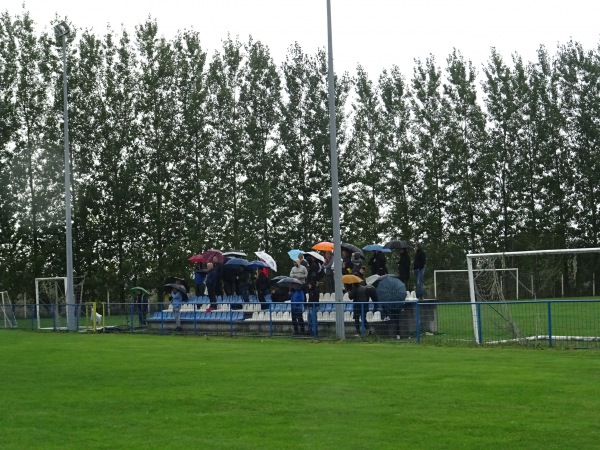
(243, 284)
(262, 289)
(419, 269)
(359, 295)
(199, 278)
(356, 261)
(347, 265)
(404, 266)
(212, 280)
(328, 269)
(313, 301)
(378, 263)
(298, 298)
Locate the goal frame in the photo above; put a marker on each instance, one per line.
(37, 296)
(7, 304)
(472, 256)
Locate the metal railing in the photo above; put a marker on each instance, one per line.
(543, 323)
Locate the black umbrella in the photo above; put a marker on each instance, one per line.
(353, 249)
(289, 282)
(173, 280)
(396, 245)
(179, 287)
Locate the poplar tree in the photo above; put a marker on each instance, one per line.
(430, 185)
(397, 152)
(467, 155)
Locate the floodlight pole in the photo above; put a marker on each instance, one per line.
(62, 30)
(335, 196)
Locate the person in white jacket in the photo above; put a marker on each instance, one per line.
(299, 271)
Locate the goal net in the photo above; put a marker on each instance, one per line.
(453, 285)
(51, 303)
(7, 312)
(497, 281)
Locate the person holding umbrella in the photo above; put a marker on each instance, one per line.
(262, 289)
(212, 280)
(378, 263)
(404, 266)
(298, 298)
(141, 301)
(199, 278)
(419, 269)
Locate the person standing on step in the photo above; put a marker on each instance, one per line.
(298, 298)
(404, 266)
(176, 302)
(419, 269)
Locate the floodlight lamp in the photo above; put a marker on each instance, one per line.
(62, 29)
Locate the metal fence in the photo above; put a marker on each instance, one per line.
(543, 323)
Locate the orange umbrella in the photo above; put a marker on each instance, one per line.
(323, 246)
(351, 279)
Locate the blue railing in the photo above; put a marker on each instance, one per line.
(550, 323)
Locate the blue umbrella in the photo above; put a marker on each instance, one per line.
(390, 289)
(237, 262)
(376, 247)
(257, 265)
(294, 254)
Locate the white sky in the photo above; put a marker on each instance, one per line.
(376, 33)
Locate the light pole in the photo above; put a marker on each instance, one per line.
(62, 30)
(335, 196)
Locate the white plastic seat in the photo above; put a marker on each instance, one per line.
(332, 316)
(319, 316)
(369, 316)
(377, 316)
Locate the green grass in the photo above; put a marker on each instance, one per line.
(79, 391)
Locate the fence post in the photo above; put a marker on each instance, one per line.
(162, 318)
(131, 327)
(550, 323)
(417, 322)
(195, 319)
(479, 330)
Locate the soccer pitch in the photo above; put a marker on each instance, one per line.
(65, 390)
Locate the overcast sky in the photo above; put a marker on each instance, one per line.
(374, 33)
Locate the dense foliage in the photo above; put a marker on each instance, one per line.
(174, 152)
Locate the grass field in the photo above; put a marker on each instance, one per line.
(79, 391)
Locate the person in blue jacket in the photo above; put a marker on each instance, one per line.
(298, 298)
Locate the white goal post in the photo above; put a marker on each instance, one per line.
(473, 270)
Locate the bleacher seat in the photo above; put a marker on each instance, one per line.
(377, 316)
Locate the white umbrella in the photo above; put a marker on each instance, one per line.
(372, 279)
(316, 255)
(267, 259)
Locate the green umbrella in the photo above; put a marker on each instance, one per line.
(139, 289)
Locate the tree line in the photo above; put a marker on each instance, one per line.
(174, 151)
